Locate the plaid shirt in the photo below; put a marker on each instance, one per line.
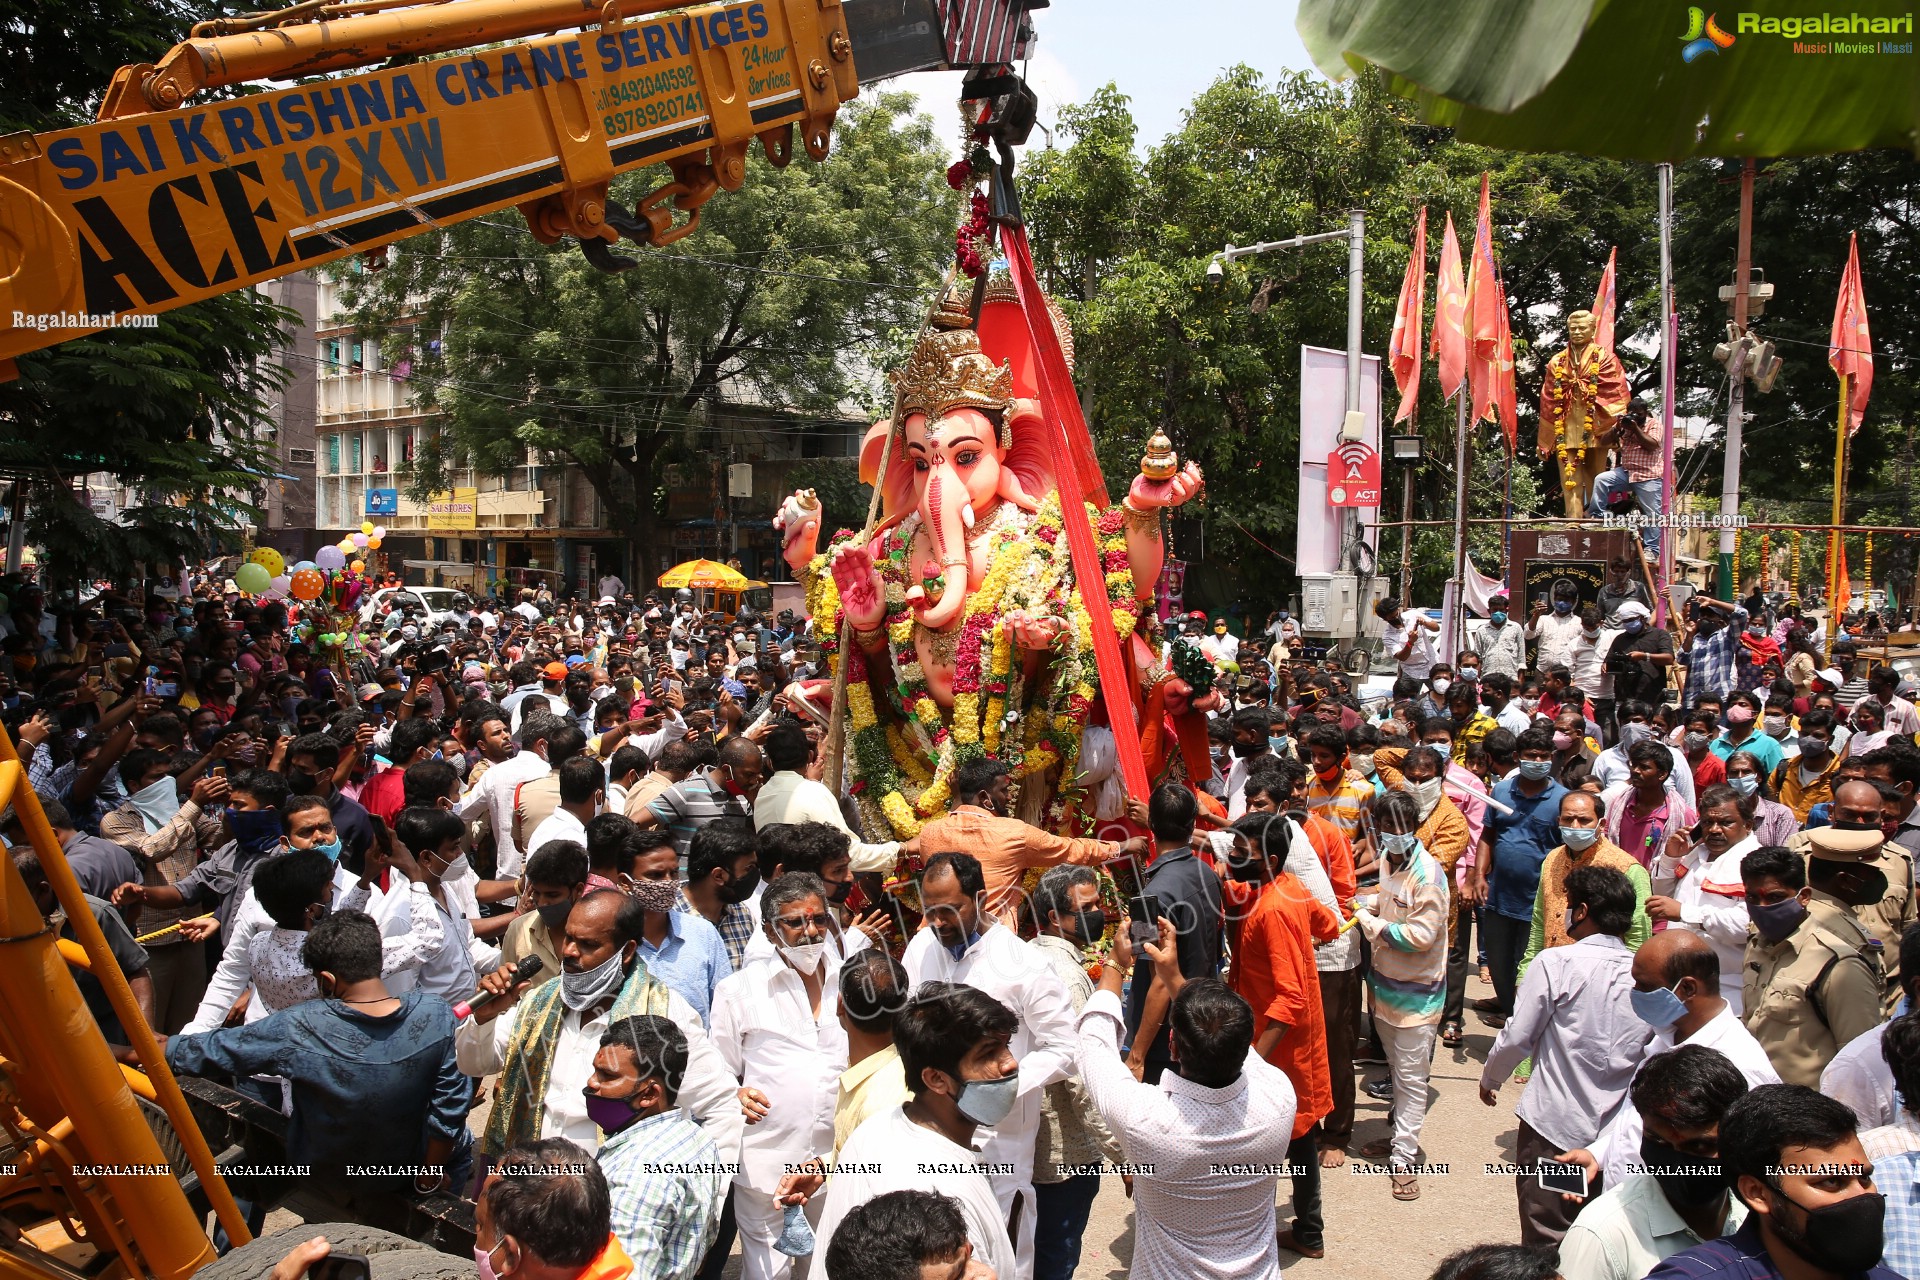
(1643, 461)
(1899, 1177)
(667, 1186)
(1890, 1140)
(1474, 730)
(737, 925)
(1709, 659)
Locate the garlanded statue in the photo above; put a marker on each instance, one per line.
(1581, 401)
(968, 634)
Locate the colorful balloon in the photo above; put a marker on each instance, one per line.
(328, 558)
(379, 531)
(282, 582)
(252, 578)
(373, 544)
(305, 564)
(307, 584)
(366, 527)
(358, 566)
(270, 560)
(359, 541)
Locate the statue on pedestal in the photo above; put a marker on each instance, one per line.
(1581, 401)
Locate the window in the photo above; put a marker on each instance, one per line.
(359, 355)
(330, 355)
(354, 456)
(333, 455)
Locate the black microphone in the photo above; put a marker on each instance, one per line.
(522, 972)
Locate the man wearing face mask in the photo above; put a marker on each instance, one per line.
(1677, 1195)
(723, 881)
(1640, 656)
(727, 789)
(1710, 647)
(1406, 639)
(776, 1027)
(1813, 976)
(961, 942)
(1699, 890)
(1553, 627)
(1506, 871)
(582, 794)
(556, 878)
(1252, 730)
(310, 765)
(1073, 1138)
(1859, 807)
(663, 1175)
(542, 1039)
(1615, 765)
(1896, 767)
(1813, 1211)
(1583, 843)
(955, 1046)
(678, 948)
(544, 1213)
(1501, 643)
(1573, 1017)
(1676, 991)
(219, 883)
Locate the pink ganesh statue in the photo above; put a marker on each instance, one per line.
(967, 633)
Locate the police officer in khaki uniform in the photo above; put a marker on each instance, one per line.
(1814, 979)
(1858, 805)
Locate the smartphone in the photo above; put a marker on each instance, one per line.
(341, 1266)
(1564, 1177)
(217, 771)
(1144, 908)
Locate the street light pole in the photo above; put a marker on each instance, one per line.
(1736, 370)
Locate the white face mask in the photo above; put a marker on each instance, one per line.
(1426, 794)
(806, 956)
(1441, 686)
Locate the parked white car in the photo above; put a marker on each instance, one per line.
(436, 602)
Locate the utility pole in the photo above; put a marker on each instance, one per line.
(1737, 372)
(1669, 363)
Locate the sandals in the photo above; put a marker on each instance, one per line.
(1451, 1034)
(1405, 1186)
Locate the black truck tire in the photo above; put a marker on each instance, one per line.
(254, 1260)
(426, 1264)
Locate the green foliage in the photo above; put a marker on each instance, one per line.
(173, 408)
(1125, 242)
(836, 481)
(1608, 79)
(783, 297)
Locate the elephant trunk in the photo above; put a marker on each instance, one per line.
(948, 513)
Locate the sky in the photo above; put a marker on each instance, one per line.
(1160, 55)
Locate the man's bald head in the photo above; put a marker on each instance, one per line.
(1668, 957)
(1857, 802)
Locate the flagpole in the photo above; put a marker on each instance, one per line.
(1834, 550)
(1669, 342)
(1459, 621)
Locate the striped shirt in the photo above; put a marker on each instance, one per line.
(1409, 971)
(1643, 459)
(667, 1186)
(685, 807)
(1342, 803)
(737, 925)
(1899, 1177)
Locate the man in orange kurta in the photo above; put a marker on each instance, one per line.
(1274, 972)
(1008, 848)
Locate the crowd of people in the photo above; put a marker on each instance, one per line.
(547, 902)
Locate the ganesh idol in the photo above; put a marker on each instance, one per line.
(962, 626)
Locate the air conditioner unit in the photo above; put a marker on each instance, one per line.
(299, 457)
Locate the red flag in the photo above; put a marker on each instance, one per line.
(1450, 315)
(1403, 350)
(1484, 307)
(1850, 348)
(1603, 305)
(1506, 395)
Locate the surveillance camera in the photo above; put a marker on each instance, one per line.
(1215, 272)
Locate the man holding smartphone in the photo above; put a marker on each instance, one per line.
(1573, 1015)
(1187, 892)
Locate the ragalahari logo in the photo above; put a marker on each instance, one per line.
(1703, 35)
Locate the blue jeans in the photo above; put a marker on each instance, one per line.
(1060, 1218)
(1647, 493)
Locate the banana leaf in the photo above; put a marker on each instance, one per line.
(1633, 80)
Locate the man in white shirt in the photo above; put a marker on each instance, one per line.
(1554, 630)
(1703, 891)
(493, 795)
(1677, 1197)
(1405, 641)
(1686, 968)
(955, 1048)
(1214, 1131)
(582, 795)
(566, 1017)
(790, 796)
(1222, 646)
(1501, 643)
(964, 944)
(776, 1025)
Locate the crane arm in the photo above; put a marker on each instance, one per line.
(147, 210)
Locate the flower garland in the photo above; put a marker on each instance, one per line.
(975, 236)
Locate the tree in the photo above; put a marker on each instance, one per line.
(788, 295)
(175, 408)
